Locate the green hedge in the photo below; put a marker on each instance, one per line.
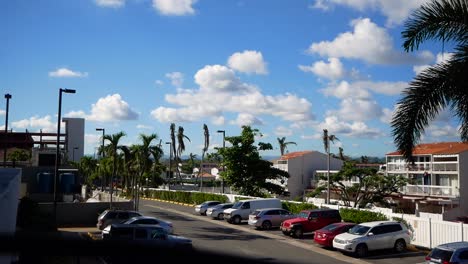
(185, 197)
(297, 207)
(360, 216)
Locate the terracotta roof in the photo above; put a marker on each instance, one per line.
(437, 148)
(294, 155)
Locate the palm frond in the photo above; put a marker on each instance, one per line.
(444, 20)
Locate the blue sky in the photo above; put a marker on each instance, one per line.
(287, 68)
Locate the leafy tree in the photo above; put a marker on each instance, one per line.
(370, 187)
(87, 167)
(440, 86)
(180, 147)
(19, 155)
(113, 147)
(246, 172)
(283, 144)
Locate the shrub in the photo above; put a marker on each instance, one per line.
(360, 216)
(297, 207)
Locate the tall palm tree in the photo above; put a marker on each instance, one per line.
(326, 143)
(440, 86)
(173, 145)
(180, 147)
(283, 144)
(206, 133)
(113, 147)
(144, 162)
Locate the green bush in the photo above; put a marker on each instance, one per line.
(360, 216)
(297, 207)
(185, 197)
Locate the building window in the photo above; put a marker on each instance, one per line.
(282, 162)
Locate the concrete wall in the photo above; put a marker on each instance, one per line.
(74, 128)
(80, 214)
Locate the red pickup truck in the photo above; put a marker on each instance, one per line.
(309, 221)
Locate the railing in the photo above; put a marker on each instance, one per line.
(445, 167)
(431, 190)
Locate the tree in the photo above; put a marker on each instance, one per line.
(368, 186)
(283, 144)
(113, 147)
(206, 133)
(246, 172)
(180, 147)
(173, 146)
(19, 155)
(440, 86)
(326, 143)
(87, 167)
(145, 164)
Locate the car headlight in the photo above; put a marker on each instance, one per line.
(350, 241)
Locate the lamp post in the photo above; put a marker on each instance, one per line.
(57, 153)
(73, 156)
(224, 145)
(7, 97)
(102, 154)
(170, 162)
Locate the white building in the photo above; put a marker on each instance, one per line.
(302, 167)
(438, 178)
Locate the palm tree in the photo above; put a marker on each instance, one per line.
(283, 144)
(180, 147)
(440, 86)
(173, 145)
(206, 133)
(326, 143)
(113, 147)
(144, 151)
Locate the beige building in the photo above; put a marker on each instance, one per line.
(302, 167)
(438, 179)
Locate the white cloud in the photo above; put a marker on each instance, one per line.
(283, 131)
(248, 61)
(67, 73)
(174, 7)
(387, 115)
(93, 139)
(36, 123)
(354, 129)
(245, 119)
(110, 3)
(221, 91)
(358, 109)
(367, 42)
(443, 131)
(441, 57)
(159, 82)
(332, 70)
(396, 11)
(177, 78)
(2, 112)
(218, 120)
(111, 108)
(360, 89)
(76, 114)
(145, 127)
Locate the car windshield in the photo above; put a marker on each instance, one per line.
(219, 206)
(441, 254)
(303, 214)
(237, 205)
(330, 227)
(359, 230)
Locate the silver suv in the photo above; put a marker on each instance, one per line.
(455, 252)
(114, 216)
(267, 218)
(373, 236)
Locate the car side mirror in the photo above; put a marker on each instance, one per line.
(370, 234)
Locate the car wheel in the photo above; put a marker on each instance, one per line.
(237, 220)
(266, 225)
(361, 250)
(285, 233)
(298, 232)
(400, 246)
(220, 216)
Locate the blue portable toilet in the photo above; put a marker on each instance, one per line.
(67, 182)
(45, 181)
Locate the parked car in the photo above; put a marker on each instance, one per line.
(217, 211)
(149, 220)
(113, 216)
(455, 252)
(374, 235)
(268, 218)
(147, 235)
(201, 208)
(325, 235)
(242, 209)
(308, 221)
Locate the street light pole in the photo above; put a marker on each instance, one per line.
(224, 145)
(102, 154)
(170, 162)
(57, 153)
(7, 97)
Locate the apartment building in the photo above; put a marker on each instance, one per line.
(438, 179)
(302, 167)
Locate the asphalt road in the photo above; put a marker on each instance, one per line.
(268, 246)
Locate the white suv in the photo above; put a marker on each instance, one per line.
(373, 236)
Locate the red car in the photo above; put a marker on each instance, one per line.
(325, 235)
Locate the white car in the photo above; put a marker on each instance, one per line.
(216, 211)
(149, 220)
(374, 235)
(201, 208)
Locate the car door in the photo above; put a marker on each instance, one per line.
(377, 238)
(274, 216)
(463, 256)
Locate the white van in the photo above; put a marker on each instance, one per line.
(241, 209)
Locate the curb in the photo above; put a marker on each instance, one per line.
(159, 200)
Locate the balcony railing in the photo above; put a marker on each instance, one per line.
(431, 190)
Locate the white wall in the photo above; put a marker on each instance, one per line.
(10, 184)
(463, 178)
(75, 128)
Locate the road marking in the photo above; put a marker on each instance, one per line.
(283, 239)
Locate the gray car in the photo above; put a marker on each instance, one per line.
(114, 216)
(201, 208)
(216, 211)
(268, 218)
(455, 252)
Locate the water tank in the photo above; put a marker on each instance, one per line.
(45, 181)
(67, 182)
